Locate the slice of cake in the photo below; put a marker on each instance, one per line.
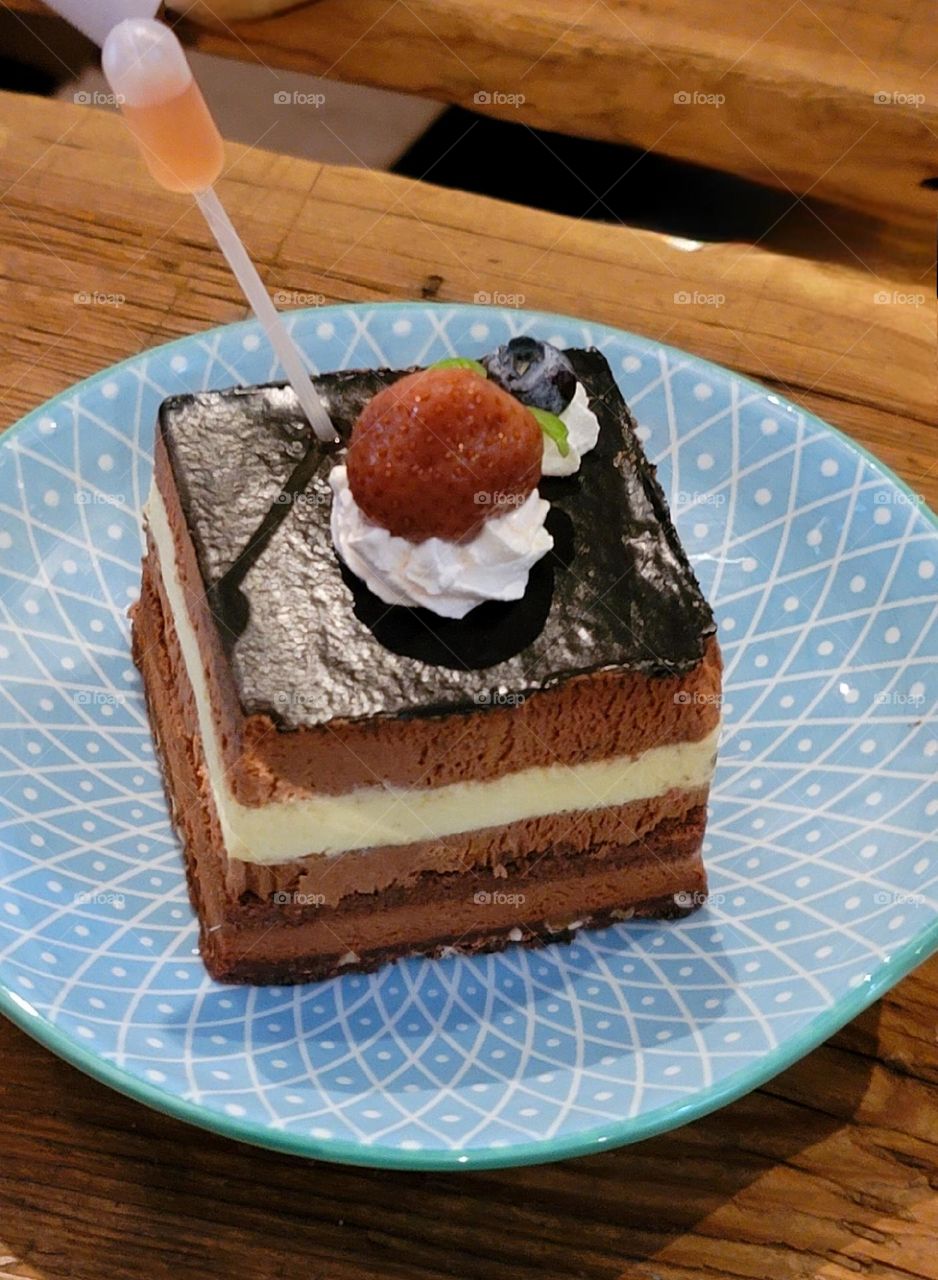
(400, 711)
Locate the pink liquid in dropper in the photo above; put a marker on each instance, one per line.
(161, 102)
(147, 68)
(179, 140)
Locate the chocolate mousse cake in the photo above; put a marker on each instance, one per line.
(434, 687)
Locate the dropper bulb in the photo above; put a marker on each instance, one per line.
(147, 69)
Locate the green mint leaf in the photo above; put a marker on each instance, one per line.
(461, 362)
(555, 428)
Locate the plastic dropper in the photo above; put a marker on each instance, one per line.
(150, 75)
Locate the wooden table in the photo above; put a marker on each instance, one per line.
(831, 1170)
(835, 97)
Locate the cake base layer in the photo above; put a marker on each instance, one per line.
(594, 876)
(235, 956)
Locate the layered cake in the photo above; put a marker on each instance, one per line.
(449, 683)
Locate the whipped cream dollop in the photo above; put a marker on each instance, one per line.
(582, 433)
(448, 577)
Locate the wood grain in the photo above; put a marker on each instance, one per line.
(836, 100)
(836, 97)
(79, 216)
(831, 1171)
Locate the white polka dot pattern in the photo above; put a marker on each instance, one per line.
(821, 843)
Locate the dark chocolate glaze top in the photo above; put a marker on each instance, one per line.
(308, 643)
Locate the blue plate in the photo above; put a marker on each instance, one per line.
(823, 569)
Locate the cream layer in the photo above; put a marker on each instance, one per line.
(366, 817)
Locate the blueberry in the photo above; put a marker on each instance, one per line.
(537, 373)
